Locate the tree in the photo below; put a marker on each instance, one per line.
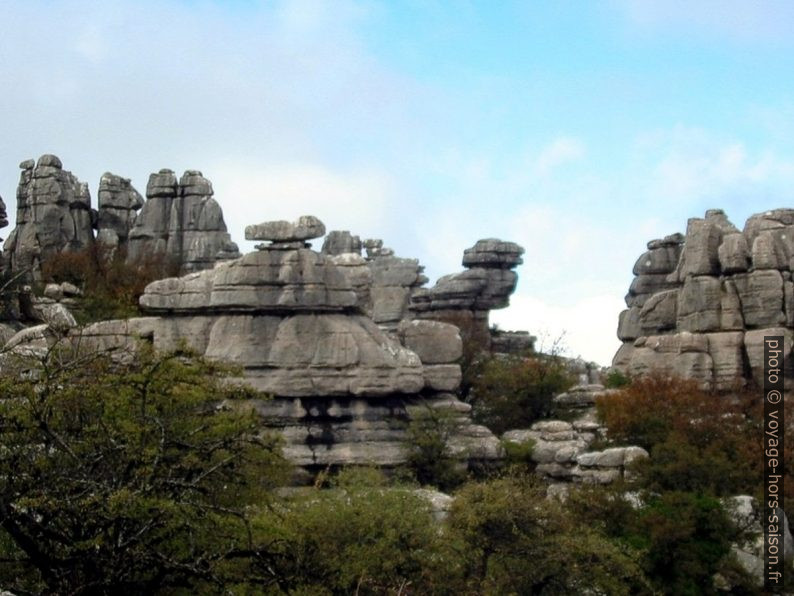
(515, 391)
(514, 540)
(125, 478)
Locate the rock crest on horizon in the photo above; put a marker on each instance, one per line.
(701, 303)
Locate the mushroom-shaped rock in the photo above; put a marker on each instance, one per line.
(306, 228)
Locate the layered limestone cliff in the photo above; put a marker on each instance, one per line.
(343, 389)
(701, 304)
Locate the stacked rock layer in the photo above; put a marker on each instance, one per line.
(53, 215)
(343, 389)
(182, 222)
(701, 304)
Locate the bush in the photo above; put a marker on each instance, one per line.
(698, 441)
(111, 286)
(429, 456)
(616, 379)
(514, 391)
(515, 541)
(126, 479)
(359, 537)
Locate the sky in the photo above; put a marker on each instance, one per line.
(580, 130)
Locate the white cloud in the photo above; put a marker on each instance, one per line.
(355, 200)
(586, 324)
(558, 152)
(756, 20)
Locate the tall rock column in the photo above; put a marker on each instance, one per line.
(181, 221)
(118, 205)
(465, 299)
(53, 214)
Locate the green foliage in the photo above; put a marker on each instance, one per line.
(515, 391)
(429, 455)
(519, 454)
(515, 541)
(111, 286)
(126, 479)
(699, 441)
(359, 537)
(616, 379)
(686, 538)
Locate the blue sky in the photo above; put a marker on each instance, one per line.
(580, 130)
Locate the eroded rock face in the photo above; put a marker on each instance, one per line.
(118, 205)
(53, 215)
(181, 221)
(343, 389)
(701, 304)
(464, 299)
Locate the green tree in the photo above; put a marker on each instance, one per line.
(126, 479)
(515, 391)
(514, 540)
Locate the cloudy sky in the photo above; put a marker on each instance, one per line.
(580, 130)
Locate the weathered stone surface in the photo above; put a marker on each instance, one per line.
(700, 255)
(118, 205)
(727, 354)
(182, 223)
(754, 348)
(761, 296)
(745, 285)
(492, 252)
(306, 228)
(3, 214)
(339, 242)
(629, 324)
(432, 341)
(699, 304)
(394, 282)
(268, 281)
(734, 254)
(512, 342)
(53, 215)
(442, 377)
(659, 312)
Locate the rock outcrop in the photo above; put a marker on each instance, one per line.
(53, 215)
(343, 390)
(700, 304)
(118, 205)
(465, 299)
(182, 222)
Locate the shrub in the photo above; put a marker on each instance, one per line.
(111, 286)
(515, 541)
(126, 479)
(698, 441)
(513, 392)
(358, 537)
(429, 455)
(616, 379)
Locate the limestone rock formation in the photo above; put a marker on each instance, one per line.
(182, 222)
(53, 215)
(700, 304)
(118, 205)
(343, 390)
(464, 299)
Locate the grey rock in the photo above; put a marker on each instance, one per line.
(181, 223)
(341, 242)
(761, 296)
(659, 313)
(699, 304)
(442, 377)
(306, 228)
(492, 252)
(53, 215)
(118, 205)
(432, 341)
(734, 254)
(700, 255)
(629, 327)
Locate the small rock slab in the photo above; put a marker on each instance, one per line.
(306, 228)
